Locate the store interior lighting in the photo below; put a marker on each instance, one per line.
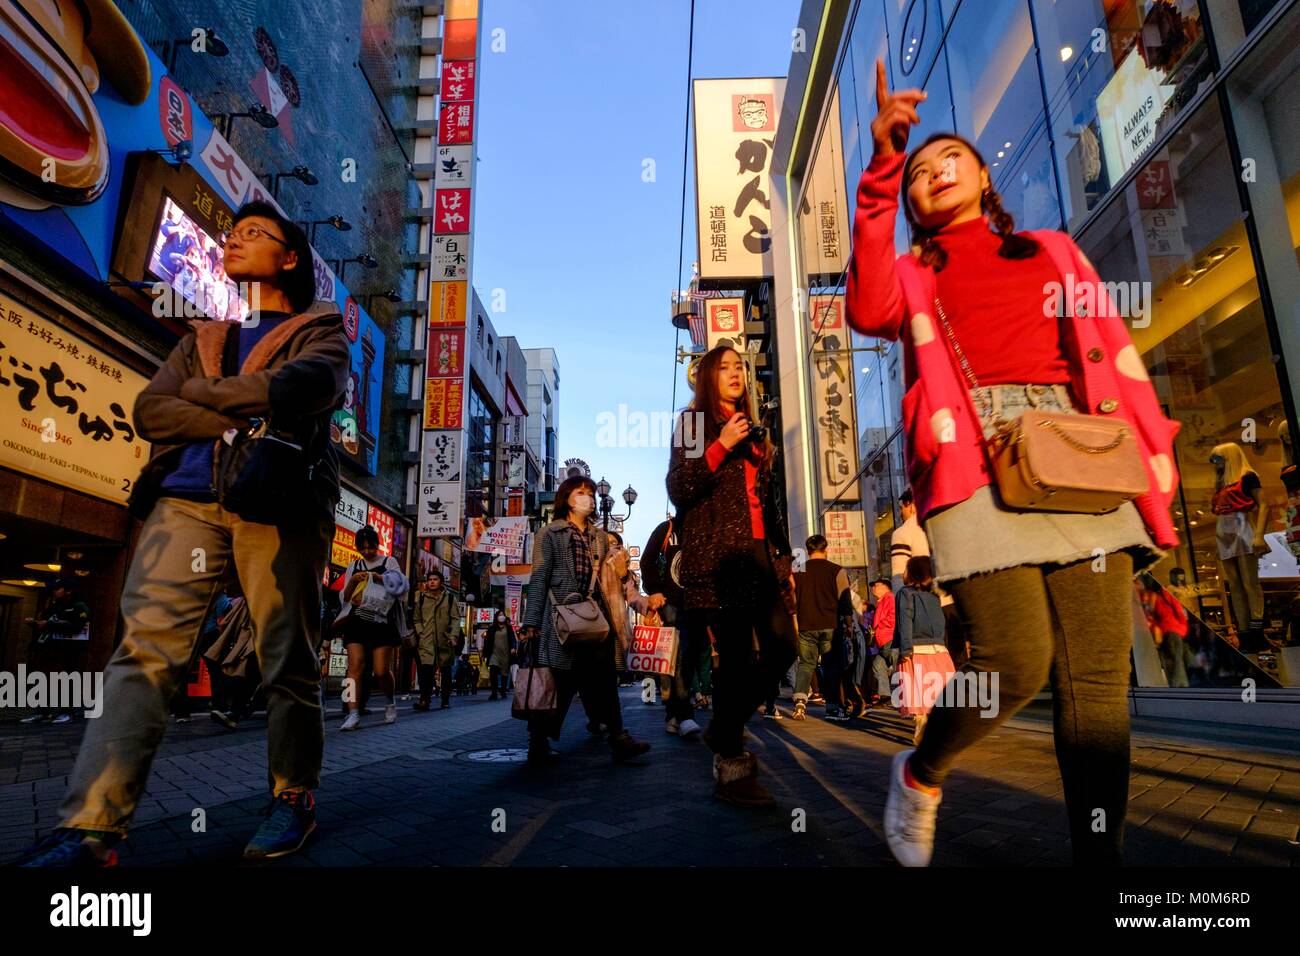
(1066, 53)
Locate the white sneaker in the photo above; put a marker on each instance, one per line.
(62, 719)
(909, 817)
(32, 719)
(689, 728)
(390, 714)
(352, 721)
(671, 726)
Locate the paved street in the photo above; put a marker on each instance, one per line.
(426, 790)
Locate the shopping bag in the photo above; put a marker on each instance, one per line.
(535, 697)
(919, 682)
(653, 650)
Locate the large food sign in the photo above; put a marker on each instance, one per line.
(735, 134)
(86, 106)
(65, 408)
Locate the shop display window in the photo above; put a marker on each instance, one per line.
(1175, 243)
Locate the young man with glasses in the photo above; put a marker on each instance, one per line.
(286, 366)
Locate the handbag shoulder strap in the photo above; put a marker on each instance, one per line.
(956, 346)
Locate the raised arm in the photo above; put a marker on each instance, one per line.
(874, 298)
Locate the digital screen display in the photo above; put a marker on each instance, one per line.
(189, 260)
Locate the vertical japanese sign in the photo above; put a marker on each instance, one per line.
(824, 212)
(735, 132)
(846, 538)
(833, 411)
(441, 489)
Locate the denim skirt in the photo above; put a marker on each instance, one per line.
(981, 534)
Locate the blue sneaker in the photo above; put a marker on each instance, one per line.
(289, 821)
(65, 849)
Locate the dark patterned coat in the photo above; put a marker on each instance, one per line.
(719, 565)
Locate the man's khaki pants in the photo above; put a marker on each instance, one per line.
(186, 553)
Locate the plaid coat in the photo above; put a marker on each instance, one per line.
(553, 571)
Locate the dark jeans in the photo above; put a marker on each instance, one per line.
(593, 677)
(497, 680)
(812, 645)
(444, 683)
(882, 665)
(838, 687)
(680, 704)
(1072, 625)
(745, 678)
(424, 674)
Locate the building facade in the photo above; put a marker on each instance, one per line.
(187, 124)
(1160, 135)
(542, 429)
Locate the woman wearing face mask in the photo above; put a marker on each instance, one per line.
(735, 562)
(498, 644)
(977, 305)
(567, 557)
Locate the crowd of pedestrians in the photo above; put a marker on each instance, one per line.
(981, 582)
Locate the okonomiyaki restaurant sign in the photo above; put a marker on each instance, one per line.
(66, 408)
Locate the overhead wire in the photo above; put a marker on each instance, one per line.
(686, 156)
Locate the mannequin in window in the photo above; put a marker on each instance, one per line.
(1291, 480)
(1239, 503)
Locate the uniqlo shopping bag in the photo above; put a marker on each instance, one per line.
(653, 650)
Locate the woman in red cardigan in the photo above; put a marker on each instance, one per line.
(1042, 595)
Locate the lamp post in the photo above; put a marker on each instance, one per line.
(338, 222)
(390, 294)
(257, 112)
(607, 502)
(341, 265)
(301, 173)
(207, 42)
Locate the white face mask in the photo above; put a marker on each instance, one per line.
(584, 504)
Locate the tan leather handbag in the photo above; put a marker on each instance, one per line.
(1060, 461)
(580, 622)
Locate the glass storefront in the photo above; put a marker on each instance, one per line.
(1107, 118)
(480, 440)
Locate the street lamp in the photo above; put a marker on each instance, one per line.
(338, 222)
(212, 45)
(341, 265)
(257, 112)
(301, 173)
(391, 295)
(607, 503)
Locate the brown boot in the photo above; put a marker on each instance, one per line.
(738, 781)
(625, 747)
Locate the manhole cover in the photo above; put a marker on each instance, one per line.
(502, 755)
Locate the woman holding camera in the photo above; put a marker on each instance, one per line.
(736, 561)
(991, 337)
(567, 557)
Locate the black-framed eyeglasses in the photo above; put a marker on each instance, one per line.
(251, 234)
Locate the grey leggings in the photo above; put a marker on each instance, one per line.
(1074, 625)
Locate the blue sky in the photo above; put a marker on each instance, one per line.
(585, 250)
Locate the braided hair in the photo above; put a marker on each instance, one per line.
(932, 254)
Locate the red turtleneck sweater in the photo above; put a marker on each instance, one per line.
(995, 307)
(717, 452)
